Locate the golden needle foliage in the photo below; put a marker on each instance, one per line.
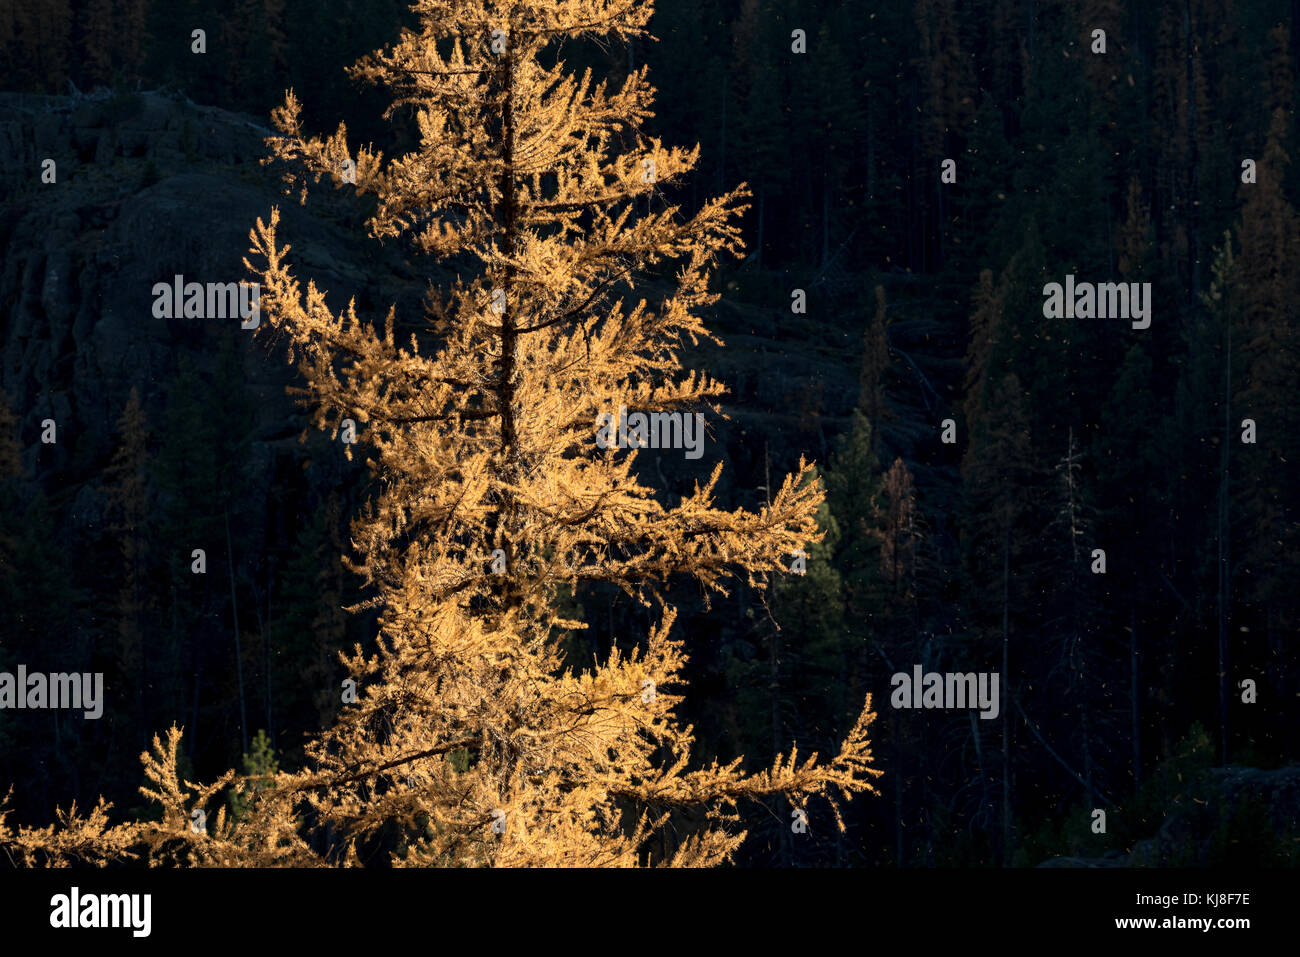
(471, 742)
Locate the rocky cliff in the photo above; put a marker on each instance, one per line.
(149, 185)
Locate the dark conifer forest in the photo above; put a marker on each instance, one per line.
(1018, 279)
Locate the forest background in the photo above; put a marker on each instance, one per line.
(923, 303)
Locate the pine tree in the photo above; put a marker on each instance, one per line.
(948, 73)
(949, 107)
(1132, 497)
(1134, 240)
(97, 42)
(1267, 282)
(875, 365)
(133, 39)
(127, 493)
(10, 542)
(39, 604)
(854, 489)
(757, 82)
(997, 469)
(1077, 679)
(41, 31)
(308, 625)
(797, 675)
(902, 642)
(1265, 370)
(902, 531)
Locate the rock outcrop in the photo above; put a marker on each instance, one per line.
(1231, 815)
(146, 186)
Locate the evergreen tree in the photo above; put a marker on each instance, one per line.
(854, 491)
(1267, 350)
(308, 624)
(998, 470)
(127, 493)
(42, 35)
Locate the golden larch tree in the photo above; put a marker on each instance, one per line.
(471, 740)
